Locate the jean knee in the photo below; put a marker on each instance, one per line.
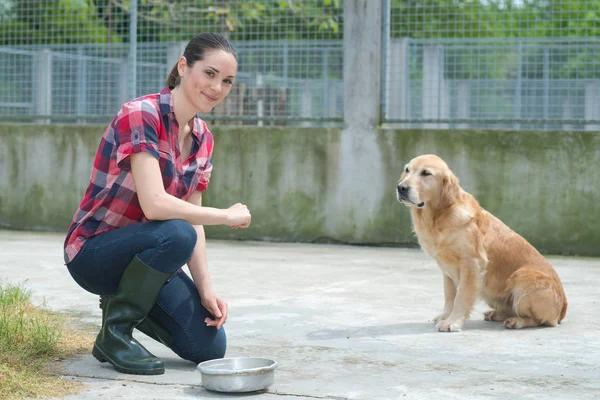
(213, 350)
(182, 237)
(205, 348)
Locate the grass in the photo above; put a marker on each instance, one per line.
(33, 342)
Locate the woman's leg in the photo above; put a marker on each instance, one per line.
(128, 307)
(162, 245)
(139, 260)
(180, 311)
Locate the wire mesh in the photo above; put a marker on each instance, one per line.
(523, 64)
(526, 64)
(79, 60)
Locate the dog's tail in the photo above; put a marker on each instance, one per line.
(563, 312)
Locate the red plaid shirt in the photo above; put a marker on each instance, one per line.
(144, 124)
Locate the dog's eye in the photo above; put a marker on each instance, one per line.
(425, 173)
(406, 170)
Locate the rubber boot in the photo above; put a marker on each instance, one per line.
(136, 295)
(149, 326)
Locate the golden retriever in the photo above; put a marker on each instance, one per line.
(478, 254)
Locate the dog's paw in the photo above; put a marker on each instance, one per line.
(489, 315)
(496, 315)
(519, 322)
(513, 323)
(441, 317)
(449, 326)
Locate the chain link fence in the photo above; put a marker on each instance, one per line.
(79, 60)
(516, 64)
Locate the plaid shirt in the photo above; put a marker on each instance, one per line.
(144, 124)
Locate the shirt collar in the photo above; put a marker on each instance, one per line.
(165, 101)
(166, 108)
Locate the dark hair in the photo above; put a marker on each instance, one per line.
(196, 50)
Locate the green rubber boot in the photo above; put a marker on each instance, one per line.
(149, 326)
(137, 294)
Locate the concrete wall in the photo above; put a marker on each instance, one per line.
(301, 183)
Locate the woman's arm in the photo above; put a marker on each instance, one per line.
(198, 267)
(157, 204)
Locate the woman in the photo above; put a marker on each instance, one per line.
(141, 218)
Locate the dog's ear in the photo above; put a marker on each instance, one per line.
(450, 190)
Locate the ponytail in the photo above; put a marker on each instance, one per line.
(173, 79)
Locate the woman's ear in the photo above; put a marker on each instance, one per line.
(181, 64)
(450, 190)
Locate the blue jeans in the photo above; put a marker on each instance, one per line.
(165, 246)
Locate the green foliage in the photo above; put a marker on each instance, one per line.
(24, 331)
(107, 21)
(536, 24)
(99, 21)
(243, 20)
(30, 339)
(53, 22)
(426, 19)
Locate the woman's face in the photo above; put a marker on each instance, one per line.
(209, 80)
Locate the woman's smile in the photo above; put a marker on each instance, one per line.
(210, 98)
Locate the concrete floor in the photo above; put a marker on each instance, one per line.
(343, 322)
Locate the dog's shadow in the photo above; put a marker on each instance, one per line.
(407, 328)
(400, 329)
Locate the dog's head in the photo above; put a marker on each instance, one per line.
(427, 182)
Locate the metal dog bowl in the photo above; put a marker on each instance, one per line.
(237, 374)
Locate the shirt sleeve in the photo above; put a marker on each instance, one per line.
(204, 158)
(136, 131)
(204, 177)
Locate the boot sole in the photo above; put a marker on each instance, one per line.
(100, 356)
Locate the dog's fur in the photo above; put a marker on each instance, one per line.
(478, 254)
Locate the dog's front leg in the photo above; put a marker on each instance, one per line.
(464, 300)
(449, 296)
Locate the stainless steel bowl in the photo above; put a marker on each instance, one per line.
(237, 374)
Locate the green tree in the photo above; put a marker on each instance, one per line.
(426, 19)
(168, 20)
(102, 21)
(52, 22)
(505, 23)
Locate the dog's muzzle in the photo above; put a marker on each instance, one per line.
(402, 192)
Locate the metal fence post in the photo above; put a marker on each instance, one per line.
(463, 101)
(174, 52)
(434, 86)
(286, 56)
(133, 49)
(306, 103)
(591, 103)
(82, 85)
(518, 84)
(396, 85)
(43, 100)
(386, 39)
(546, 77)
(124, 95)
(260, 103)
(325, 81)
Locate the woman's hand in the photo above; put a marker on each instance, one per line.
(238, 216)
(241, 226)
(216, 306)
